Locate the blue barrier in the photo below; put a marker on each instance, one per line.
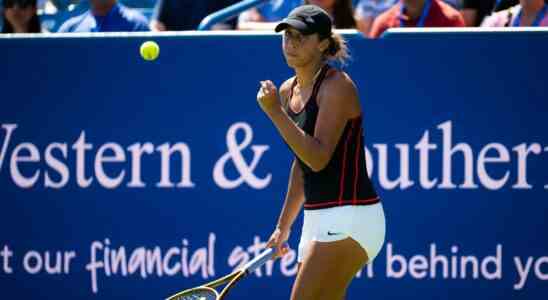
(118, 176)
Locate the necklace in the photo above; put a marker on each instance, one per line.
(315, 76)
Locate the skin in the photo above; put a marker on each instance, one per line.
(19, 17)
(364, 24)
(469, 15)
(530, 9)
(156, 25)
(414, 8)
(255, 21)
(102, 7)
(328, 268)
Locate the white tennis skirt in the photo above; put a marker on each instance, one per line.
(363, 223)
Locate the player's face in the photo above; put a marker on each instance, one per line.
(299, 49)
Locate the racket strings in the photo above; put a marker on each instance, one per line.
(196, 296)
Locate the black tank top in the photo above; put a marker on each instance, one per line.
(344, 181)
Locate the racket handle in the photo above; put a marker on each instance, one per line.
(259, 261)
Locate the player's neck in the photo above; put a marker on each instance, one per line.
(530, 8)
(102, 8)
(413, 8)
(307, 75)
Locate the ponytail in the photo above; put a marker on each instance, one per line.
(337, 50)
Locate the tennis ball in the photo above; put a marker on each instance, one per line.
(150, 50)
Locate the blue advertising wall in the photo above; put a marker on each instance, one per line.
(127, 179)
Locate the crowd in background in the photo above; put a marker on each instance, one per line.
(371, 17)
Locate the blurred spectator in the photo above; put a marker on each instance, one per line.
(20, 16)
(528, 13)
(367, 10)
(456, 4)
(417, 13)
(179, 15)
(60, 5)
(474, 11)
(266, 16)
(105, 16)
(341, 12)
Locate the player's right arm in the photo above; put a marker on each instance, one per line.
(293, 203)
(294, 198)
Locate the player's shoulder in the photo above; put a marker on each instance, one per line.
(337, 80)
(286, 85)
(338, 87)
(285, 88)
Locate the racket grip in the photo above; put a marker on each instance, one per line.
(259, 261)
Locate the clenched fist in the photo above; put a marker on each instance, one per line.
(268, 97)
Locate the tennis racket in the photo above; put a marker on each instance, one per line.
(208, 292)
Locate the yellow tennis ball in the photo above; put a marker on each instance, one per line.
(150, 50)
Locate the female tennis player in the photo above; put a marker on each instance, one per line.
(318, 114)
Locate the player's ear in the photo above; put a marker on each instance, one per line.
(324, 45)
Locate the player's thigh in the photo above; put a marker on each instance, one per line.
(327, 270)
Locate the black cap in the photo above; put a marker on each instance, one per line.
(307, 19)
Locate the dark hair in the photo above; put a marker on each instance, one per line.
(34, 24)
(343, 14)
(337, 50)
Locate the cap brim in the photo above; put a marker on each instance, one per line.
(297, 24)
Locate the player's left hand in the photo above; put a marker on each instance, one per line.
(268, 97)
